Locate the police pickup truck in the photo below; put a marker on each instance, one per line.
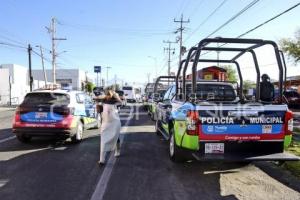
(211, 120)
(160, 87)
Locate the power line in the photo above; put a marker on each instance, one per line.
(196, 8)
(206, 19)
(269, 20)
(13, 45)
(251, 4)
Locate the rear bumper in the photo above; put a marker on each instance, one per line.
(268, 157)
(247, 151)
(55, 132)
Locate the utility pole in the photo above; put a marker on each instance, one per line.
(29, 49)
(43, 63)
(180, 29)
(169, 49)
(52, 30)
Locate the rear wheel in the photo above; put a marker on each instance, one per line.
(157, 127)
(24, 138)
(79, 133)
(175, 153)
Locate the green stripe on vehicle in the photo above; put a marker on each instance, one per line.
(184, 140)
(287, 141)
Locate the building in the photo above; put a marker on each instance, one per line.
(14, 83)
(74, 79)
(211, 73)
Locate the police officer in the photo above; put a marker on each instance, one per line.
(266, 89)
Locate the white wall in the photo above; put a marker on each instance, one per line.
(20, 85)
(4, 86)
(72, 76)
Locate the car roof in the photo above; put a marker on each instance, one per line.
(56, 91)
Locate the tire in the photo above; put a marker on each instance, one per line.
(79, 133)
(157, 127)
(175, 153)
(24, 138)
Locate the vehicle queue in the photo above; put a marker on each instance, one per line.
(201, 119)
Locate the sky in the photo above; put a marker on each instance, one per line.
(128, 35)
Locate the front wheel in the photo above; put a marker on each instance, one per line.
(175, 152)
(157, 127)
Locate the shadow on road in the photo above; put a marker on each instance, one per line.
(48, 169)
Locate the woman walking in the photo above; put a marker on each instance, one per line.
(111, 125)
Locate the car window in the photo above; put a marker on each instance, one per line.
(88, 99)
(213, 92)
(166, 96)
(80, 98)
(173, 92)
(46, 98)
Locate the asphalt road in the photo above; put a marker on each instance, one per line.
(48, 169)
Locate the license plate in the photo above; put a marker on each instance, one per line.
(214, 148)
(266, 128)
(39, 115)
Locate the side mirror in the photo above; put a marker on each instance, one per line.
(156, 97)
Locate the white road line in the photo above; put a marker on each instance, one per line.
(103, 181)
(7, 139)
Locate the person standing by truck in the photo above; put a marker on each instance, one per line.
(266, 89)
(111, 125)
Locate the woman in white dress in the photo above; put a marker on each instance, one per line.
(111, 125)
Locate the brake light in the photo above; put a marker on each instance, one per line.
(17, 118)
(67, 121)
(192, 122)
(288, 122)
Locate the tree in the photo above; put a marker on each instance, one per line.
(89, 87)
(231, 73)
(291, 46)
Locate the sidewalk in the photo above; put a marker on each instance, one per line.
(6, 108)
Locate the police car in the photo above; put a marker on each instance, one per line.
(57, 113)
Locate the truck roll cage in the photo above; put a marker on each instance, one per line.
(194, 55)
(167, 79)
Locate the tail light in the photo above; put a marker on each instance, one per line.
(192, 122)
(17, 118)
(288, 122)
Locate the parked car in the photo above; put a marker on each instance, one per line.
(292, 98)
(122, 97)
(56, 113)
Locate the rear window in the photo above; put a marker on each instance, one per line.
(46, 98)
(213, 92)
(127, 88)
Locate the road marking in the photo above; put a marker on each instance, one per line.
(7, 139)
(103, 181)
